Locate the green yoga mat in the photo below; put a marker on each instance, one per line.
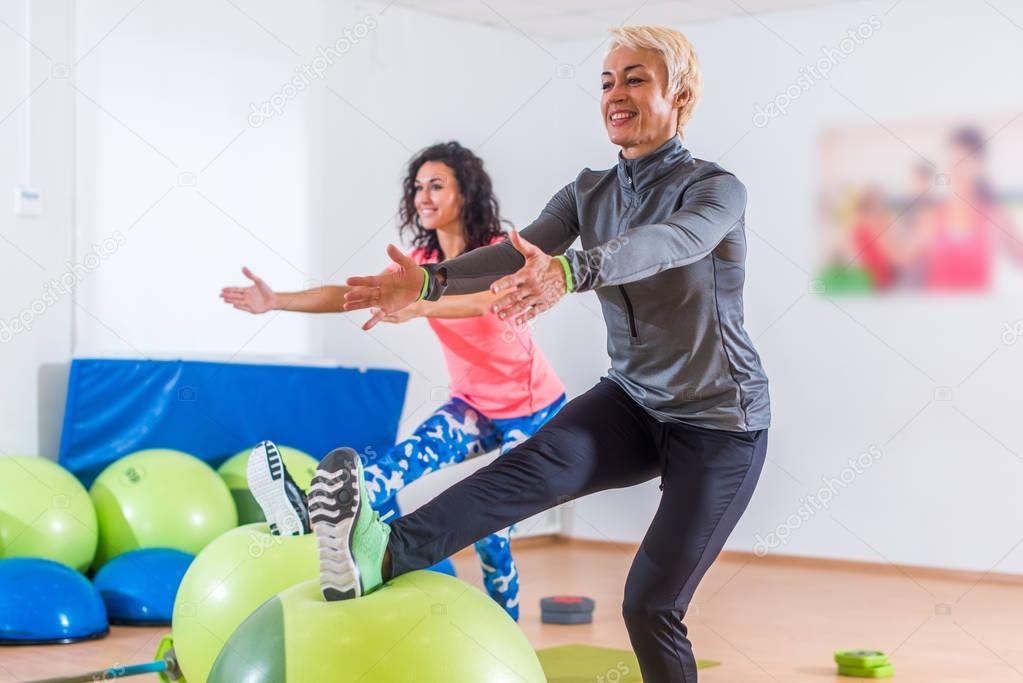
(587, 664)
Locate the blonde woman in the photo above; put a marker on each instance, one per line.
(686, 399)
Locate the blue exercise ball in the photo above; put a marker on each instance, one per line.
(139, 586)
(43, 601)
(445, 566)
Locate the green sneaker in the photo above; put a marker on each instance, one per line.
(351, 537)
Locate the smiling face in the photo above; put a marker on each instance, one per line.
(437, 199)
(639, 113)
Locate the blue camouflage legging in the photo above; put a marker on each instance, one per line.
(453, 434)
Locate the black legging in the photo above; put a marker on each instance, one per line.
(603, 440)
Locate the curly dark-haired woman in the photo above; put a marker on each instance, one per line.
(502, 387)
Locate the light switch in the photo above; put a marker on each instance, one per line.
(28, 201)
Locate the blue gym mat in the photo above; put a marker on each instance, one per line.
(213, 410)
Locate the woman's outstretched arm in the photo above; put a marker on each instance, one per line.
(713, 207)
(458, 306)
(553, 232)
(260, 298)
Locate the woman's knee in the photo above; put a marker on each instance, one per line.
(646, 614)
(650, 597)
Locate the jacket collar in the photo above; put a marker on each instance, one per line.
(640, 173)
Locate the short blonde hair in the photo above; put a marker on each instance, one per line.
(679, 55)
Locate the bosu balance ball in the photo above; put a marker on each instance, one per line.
(229, 579)
(45, 512)
(301, 466)
(159, 499)
(42, 601)
(138, 587)
(423, 626)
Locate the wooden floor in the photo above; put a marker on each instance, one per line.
(769, 619)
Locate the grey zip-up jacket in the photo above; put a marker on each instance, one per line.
(664, 246)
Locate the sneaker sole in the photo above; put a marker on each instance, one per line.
(265, 474)
(333, 508)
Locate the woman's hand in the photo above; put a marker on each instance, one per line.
(532, 289)
(390, 291)
(256, 298)
(404, 315)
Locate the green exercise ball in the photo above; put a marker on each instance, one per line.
(45, 512)
(423, 626)
(160, 498)
(230, 578)
(301, 466)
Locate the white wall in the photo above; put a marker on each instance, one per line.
(35, 150)
(851, 375)
(171, 168)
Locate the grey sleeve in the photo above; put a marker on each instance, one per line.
(553, 231)
(712, 207)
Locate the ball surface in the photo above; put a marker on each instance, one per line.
(45, 512)
(230, 578)
(422, 626)
(159, 498)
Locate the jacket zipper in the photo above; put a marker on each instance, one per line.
(628, 303)
(630, 314)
